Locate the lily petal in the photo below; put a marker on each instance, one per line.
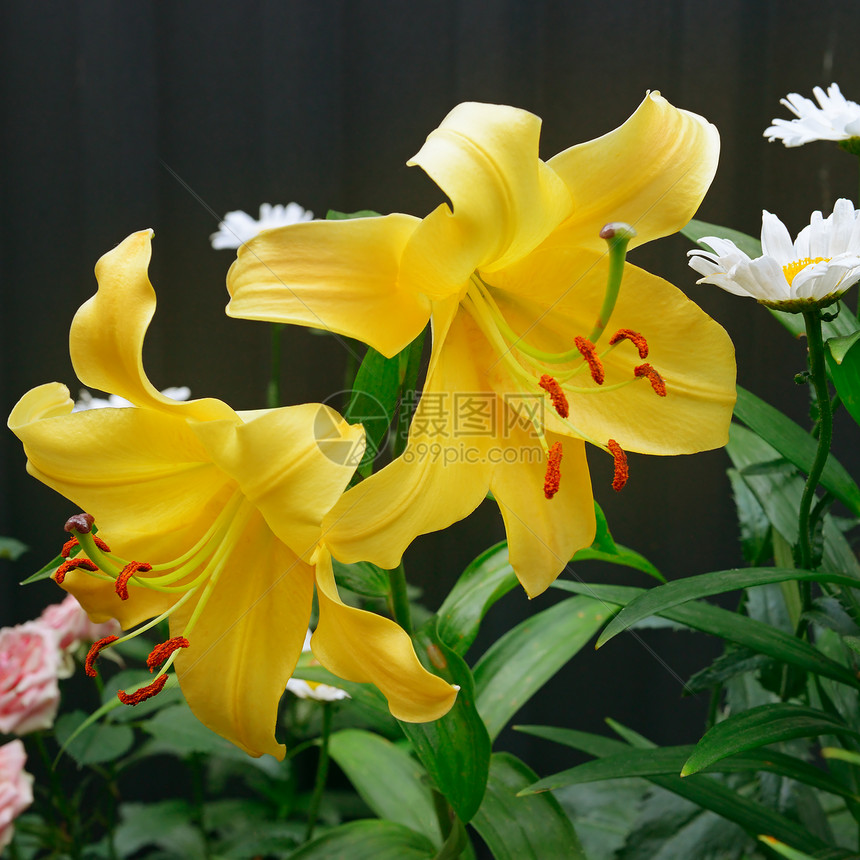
(291, 463)
(364, 647)
(439, 479)
(505, 200)
(247, 640)
(106, 338)
(652, 172)
(543, 534)
(343, 276)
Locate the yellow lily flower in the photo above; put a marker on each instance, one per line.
(512, 274)
(211, 518)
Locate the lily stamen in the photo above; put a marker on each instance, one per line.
(93, 653)
(143, 693)
(72, 564)
(127, 573)
(622, 473)
(556, 393)
(589, 352)
(552, 480)
(163, 650)
(637, 339)
(657, 382)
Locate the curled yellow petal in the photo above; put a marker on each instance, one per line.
(342, 276)
(106, 338)
(505, 200)
(367, 648)
(651, 172)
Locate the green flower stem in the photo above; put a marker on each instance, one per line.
(399, 599)
(818, 374)
(273, 389)
(617, 237)
(322, 770)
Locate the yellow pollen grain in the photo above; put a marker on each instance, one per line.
(791, 269)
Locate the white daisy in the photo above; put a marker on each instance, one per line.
(814, 270)
(833, 118)
(311, 690)
(86, 400)
(239, 227)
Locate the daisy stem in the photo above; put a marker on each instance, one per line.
(322, 770)
(399, 599)
(818, 374)
(273, 388)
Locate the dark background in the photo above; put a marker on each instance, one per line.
(322, 103)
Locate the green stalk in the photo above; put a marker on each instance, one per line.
(818, 375)
(322, 770)
(398, 598)
(617, 237)
(273, 388)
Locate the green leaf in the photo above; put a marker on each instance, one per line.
(796, 445)
(455, 749)
(175, 730)
(702, 790)
(334, 215)
(525, 658)
(669, 761)
(656, 600)
(402, 795)
(779, 496)
(362, 578)
(167, 824)
(784, 850)
(367, 840)
(11, 548)
(755, 531)
(365, 694)
(839, 346)
(45, 572)
(846, 378)
(522, 828)
(97, 743)
(760, 726)
(739, 629)
(489, 577)
(373, 402)
(696, 229)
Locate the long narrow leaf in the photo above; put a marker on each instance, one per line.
(523, 828)
(758, 727)
(705, 792)
(739, 629)
(656, 600)
(796, 445)
(525, 658)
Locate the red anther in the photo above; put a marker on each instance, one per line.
(653, 377)
(143, 693)
(82, 523)
(621, 470)
(71, 564)
(556, 393)
(69, 545)
(553, 471)
(127, 573)
(589, 352)
(162, 651)
(95, 648)
(638, 340)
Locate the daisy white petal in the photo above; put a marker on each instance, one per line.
(239, 227)
(814, 270)
(833, 118)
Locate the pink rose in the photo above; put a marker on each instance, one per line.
(29, 664)
(16, 788)
(73, 625)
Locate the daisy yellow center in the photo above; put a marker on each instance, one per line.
(793, 268)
